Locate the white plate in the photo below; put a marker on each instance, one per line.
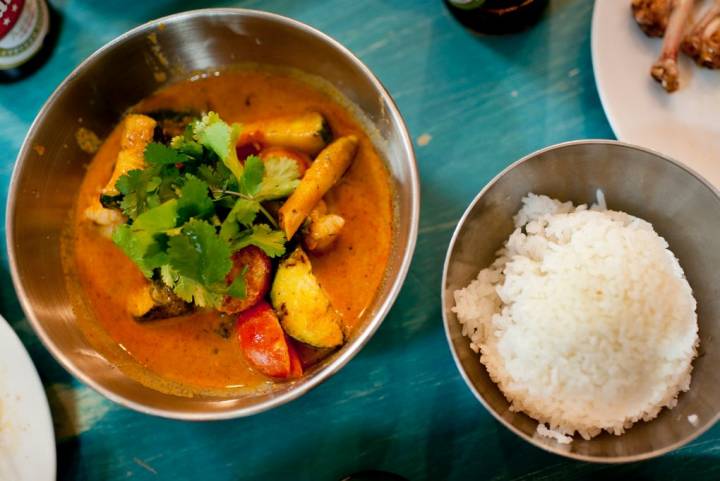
(685, 124)
(27, 441)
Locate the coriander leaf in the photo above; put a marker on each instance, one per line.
(144, 241)
(159, 154)
(218, 177)
(213, 133)
(198, 253)
(186, 144)
(199, 262)
(156, 253)
(231, 161)
(135, 185)
(282, 177)
(141, 247)
(184, 257)
(190, 290)
(170, 179)
(168, 275)
(152, 201)
(153, 183)
(130, 181)
(194, 200)
(210, 176)
(129, 206)
(237, 288)
(132, 245)
(261, 235)
(158, 219)
(243, 213)
(252, 176)
(216, 135)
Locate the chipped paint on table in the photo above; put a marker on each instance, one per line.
(473, 105)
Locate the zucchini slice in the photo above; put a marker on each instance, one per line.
(309, 132)
(302, 305)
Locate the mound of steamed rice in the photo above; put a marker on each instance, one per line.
(585, 320)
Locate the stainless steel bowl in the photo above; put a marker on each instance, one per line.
(682, 207)
(96, 94)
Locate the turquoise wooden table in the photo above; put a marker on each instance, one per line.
(473, 105)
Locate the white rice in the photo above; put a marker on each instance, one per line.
(557, 436)
(585, 320)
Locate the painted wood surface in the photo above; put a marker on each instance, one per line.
(473, 105)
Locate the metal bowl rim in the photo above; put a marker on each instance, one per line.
(446, 322)
(354, 347)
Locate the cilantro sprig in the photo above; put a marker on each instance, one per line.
(195, 203)
(264, 181)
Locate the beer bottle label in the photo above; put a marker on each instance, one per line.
(23, 25)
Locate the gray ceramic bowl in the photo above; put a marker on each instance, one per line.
(96, 94)
(682, 207)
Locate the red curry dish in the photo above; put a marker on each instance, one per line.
(229, 233)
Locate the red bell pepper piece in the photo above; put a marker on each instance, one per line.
(265, 345)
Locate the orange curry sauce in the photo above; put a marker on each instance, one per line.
(200, 353)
